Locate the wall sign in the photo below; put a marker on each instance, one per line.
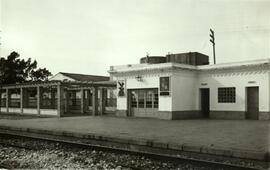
(164, 86)
(121, 88)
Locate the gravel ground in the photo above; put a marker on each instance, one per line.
(51, 155)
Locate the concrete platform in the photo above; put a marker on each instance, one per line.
(234, 138)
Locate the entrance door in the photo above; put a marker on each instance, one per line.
(205, 102)
(132, 102)
(252, 103)
(143, 102)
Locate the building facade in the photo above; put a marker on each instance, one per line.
(183, 87)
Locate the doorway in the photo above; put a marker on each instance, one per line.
(252, 103)
(205, 102)
(142, 102)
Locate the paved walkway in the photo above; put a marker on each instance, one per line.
(228, 134)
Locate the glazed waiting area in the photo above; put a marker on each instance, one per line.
(56, 98)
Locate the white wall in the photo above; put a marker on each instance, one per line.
(14, 110)
(29, 111)
(121, 103)
(3, 109)
(184, 90)
(50, 112)
(240, 80)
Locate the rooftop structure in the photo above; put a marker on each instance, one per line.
(191, 58)
(167, 65)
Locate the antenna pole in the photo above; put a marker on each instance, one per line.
(212, 40)
(147, 57)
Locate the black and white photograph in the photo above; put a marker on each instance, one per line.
(135, 84)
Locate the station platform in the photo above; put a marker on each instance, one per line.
(232, 138)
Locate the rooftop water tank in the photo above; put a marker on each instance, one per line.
(191, 58)
(153, 59)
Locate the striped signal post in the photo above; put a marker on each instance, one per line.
(212, 40)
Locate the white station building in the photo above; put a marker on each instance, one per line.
(185, 86)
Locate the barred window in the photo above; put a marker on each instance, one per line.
(226, 95)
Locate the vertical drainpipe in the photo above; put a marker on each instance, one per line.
(21, 100)
(0, 98)
(38, 100)
(66, 100)
(95, 101)
(7, 100)
(60, 103)
(82, 101)
(103, 99)
(269, 90)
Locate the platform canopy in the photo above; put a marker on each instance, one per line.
(55, 97)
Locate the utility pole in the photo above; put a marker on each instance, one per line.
(147, 57)
(212, 40)
(0, 38)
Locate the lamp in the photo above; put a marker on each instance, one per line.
(139, 78)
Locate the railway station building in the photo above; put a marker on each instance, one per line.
(175, 86)
(185, 86)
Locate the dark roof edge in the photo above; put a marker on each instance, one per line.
(65, 73)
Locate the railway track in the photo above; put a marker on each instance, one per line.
(163, 157)
(16, 146)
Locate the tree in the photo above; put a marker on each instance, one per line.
(40, 74)
(15, 70)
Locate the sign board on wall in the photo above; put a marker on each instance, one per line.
(164, 86)
(121, 86)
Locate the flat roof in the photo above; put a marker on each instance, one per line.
(146, 66)
(235, 64)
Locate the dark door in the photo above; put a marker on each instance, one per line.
(252, 103)
(131, 98)
(205, 102)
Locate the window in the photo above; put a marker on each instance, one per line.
(3, 98)
(144, 98)
(226, 95)
(164, 86)
(141, 99)
(134, 99)
(149, 99)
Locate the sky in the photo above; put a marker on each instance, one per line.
(88, 36)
